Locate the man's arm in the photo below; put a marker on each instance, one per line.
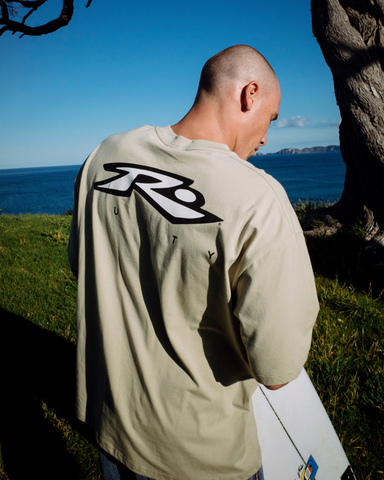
(277, 306)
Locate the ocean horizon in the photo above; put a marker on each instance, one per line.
(49, 190)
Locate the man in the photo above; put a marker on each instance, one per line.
(194, 283)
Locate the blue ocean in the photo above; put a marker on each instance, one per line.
(316, 176)
(50, 189)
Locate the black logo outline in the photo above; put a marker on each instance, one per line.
(141, 180)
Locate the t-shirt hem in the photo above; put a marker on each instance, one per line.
(115, 453)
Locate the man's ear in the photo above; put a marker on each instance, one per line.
(248, 96)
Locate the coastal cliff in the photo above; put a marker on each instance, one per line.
(293, 151)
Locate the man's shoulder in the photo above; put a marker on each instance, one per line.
(258, 192)
(254, 183)
(128, 136)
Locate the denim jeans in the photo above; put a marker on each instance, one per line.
(112, 469)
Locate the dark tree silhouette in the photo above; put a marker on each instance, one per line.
(14, 14)
(351, 36)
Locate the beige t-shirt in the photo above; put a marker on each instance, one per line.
(194, 284)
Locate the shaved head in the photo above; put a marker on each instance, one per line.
(239, 63)
(238, 97)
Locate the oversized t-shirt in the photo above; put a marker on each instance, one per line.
(194, 284)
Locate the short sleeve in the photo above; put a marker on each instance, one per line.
(277, 307)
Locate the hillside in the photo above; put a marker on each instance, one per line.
(293, 151)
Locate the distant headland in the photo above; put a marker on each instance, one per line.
(292, 151)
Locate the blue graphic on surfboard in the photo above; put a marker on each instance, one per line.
(297, 439)
(310, 470)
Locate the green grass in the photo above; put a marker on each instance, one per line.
(303, 207)
(39, 433)
(346, 365)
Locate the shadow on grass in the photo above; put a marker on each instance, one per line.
(350, 259)
(37, 365)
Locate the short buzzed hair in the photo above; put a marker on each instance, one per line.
(237, 63)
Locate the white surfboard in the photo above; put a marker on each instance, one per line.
(297, 439)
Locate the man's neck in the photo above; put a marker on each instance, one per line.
(202, 123)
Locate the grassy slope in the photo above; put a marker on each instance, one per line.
(38, 429)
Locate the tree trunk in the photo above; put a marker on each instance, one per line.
(351, 36)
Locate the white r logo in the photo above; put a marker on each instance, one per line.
(169, 193)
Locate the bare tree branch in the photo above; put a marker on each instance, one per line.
(28, 14)
(8, 7)
(34, 4)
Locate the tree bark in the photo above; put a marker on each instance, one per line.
(351, 36)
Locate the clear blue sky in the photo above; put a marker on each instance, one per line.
(122, 64)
